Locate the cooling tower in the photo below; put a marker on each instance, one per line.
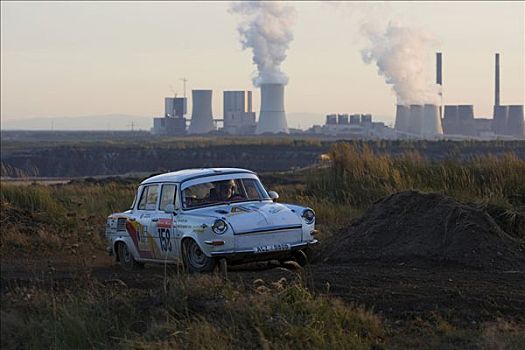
(355, 119)
(201, 115)
(450, 120)
(272, 118)
(466, 120)
(431, 124)
(342, 119)
(499, 123)
(331, 119)
(515, 123)
(402, 118)
(415, 119)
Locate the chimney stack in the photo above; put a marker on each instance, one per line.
(439, 76)
(496, 92)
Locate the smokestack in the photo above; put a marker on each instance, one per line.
(272, 118)
(439, 76)
(201, 115)
(439, 81)
(496, 92)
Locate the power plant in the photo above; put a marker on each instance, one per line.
(426, 119)
(272, 118)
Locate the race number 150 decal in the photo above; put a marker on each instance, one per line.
(164, 238)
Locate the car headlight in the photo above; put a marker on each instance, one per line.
(219, 226)
(308, 216)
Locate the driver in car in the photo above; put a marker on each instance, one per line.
(225, 191)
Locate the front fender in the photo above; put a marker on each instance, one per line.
(207, 240)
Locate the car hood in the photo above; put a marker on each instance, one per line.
(255, 216)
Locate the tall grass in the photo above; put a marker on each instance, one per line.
(31, 198)
(38, 219)
(359, 177)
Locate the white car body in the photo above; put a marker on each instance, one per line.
(255, 229)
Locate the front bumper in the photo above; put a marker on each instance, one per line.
(252, 253)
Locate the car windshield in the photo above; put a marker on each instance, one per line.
(224, 191)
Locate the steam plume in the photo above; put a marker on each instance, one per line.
(266, 29)
(403, 55)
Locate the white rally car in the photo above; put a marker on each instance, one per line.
(199, 216)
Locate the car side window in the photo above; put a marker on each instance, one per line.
(167, 196)
(252, 191)
(148, 200)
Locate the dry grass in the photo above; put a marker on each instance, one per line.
(197, 312)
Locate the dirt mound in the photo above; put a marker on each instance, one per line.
(413, 227)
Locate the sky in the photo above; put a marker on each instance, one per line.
(70, 59)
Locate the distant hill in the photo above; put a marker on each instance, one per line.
(296, 120)
(97, 122)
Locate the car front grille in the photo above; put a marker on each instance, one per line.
(121, 224)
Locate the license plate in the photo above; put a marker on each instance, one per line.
(271, 248)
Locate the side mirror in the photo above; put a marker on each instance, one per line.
(170, 209)
(273, 195)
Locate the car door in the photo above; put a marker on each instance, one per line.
(163, 223)
(143, 229)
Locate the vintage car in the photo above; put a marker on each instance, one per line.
(202, 216)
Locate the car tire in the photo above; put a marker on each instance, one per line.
(300, 257)
(126, 259)
(194, 258)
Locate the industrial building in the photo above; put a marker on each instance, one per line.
(353, 126)
(239, 119)
(429, 122)
(425, 120)
(173, 123)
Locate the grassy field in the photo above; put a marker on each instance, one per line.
(210, 312)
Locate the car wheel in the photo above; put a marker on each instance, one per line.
(195, 259)
(300, 257)
(126, 259)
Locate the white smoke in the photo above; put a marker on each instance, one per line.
(403, 55)
(266, 29)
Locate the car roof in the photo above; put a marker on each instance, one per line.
(188, 174)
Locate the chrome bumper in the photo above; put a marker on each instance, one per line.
(227, 253)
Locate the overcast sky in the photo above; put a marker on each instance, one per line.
(93, 58)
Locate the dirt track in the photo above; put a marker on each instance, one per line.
(397, 293)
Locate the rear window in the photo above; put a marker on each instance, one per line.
(148, 199)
